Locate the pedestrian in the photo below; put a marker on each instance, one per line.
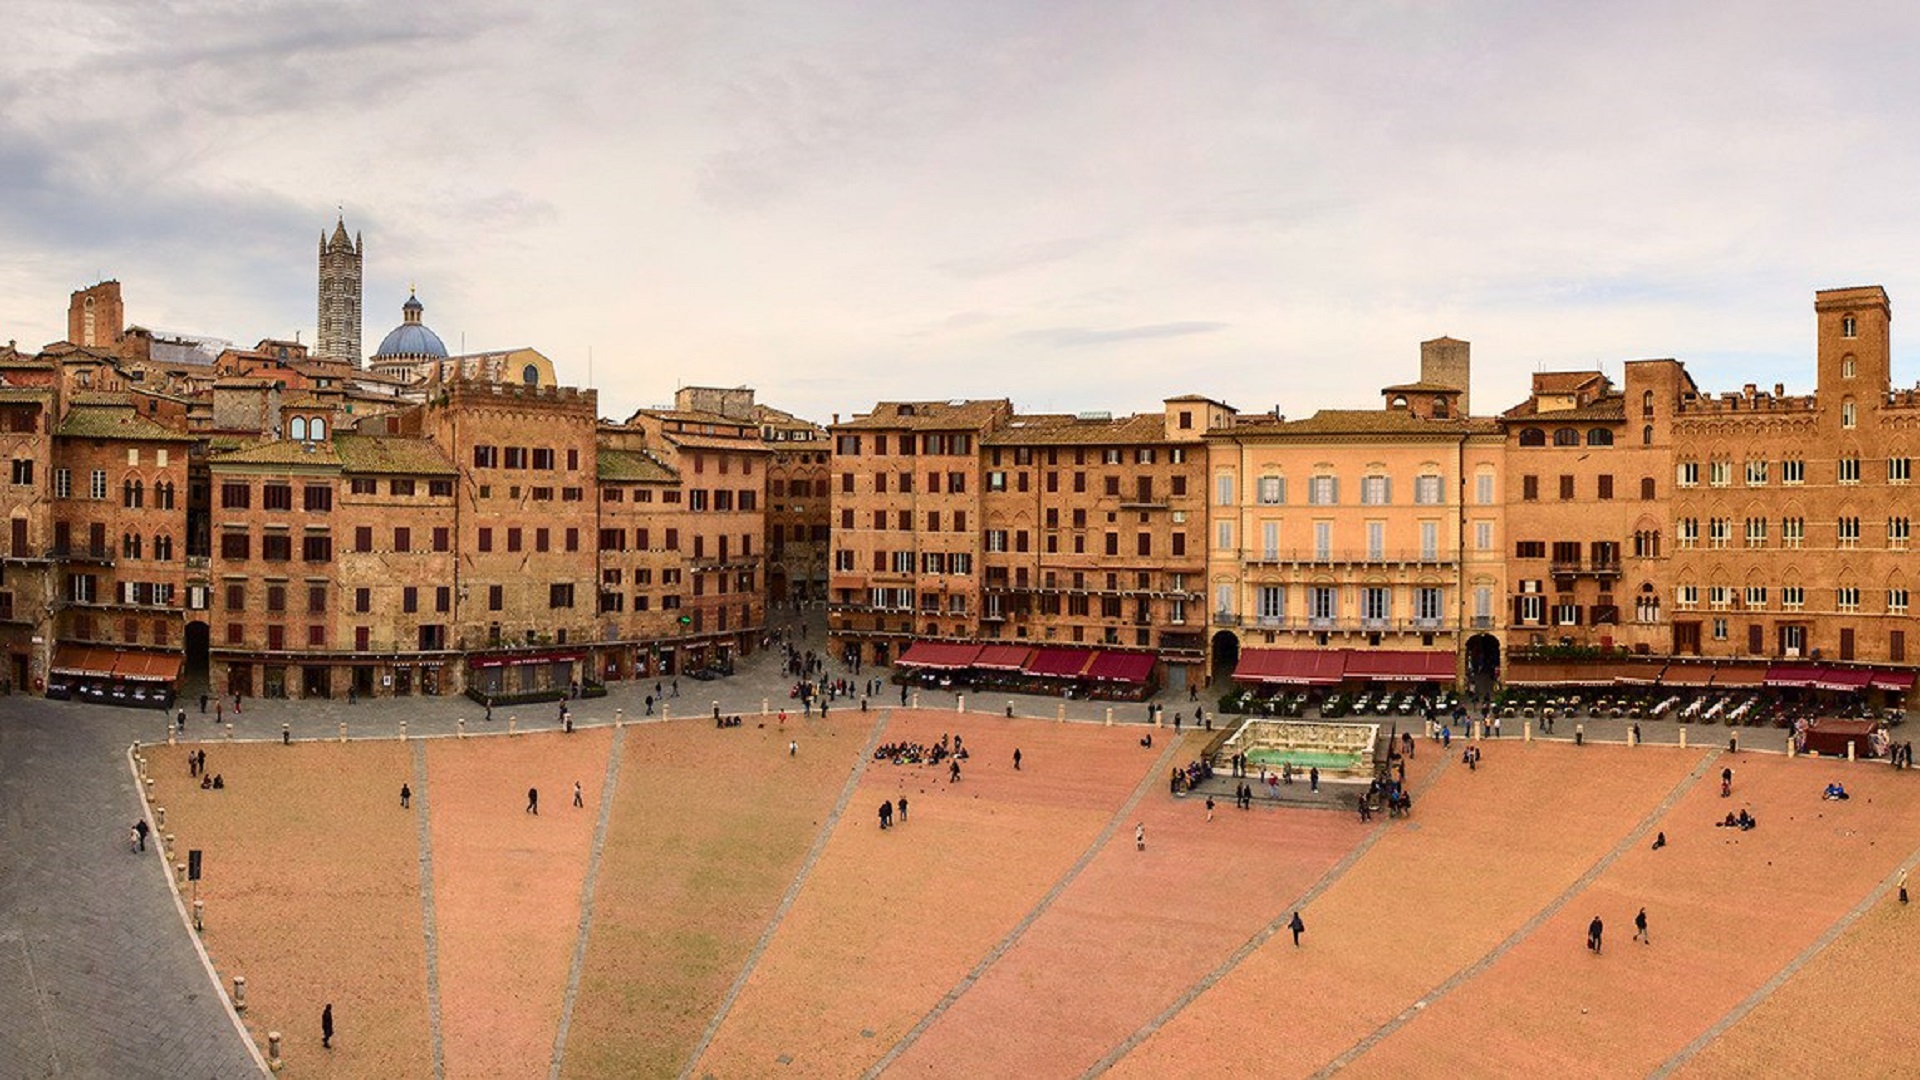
(1365, 815)
(1594, 930)
(140, 827)
(203, 763)
(1902, 884)
(219, 712)
(577, 800)
(203, 704)
(133, 838)
(1016, 759)
(676, 688)
(489, 704)
(1726, 782)
(1209, 808)
(1313, 779)
(326, 1026)
(886, 813)
(793, 747)
(406, 797)
(1140, 836)
(649, 704)
(353, 695)
(1640, 928)
(953, 772)
(180, 721)
(193, 763)
(1298, 926)
(1176, 723)
(1659, 841)
(533, 801)
(903, 810)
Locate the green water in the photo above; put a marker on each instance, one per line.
(1303, 759)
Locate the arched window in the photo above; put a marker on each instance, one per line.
(1849, 414)
(1646, 435)
(297, 428)
(1646, 405)
(1532, 436)
(530, 375)
(1646, 489)
(318, 430)
(1439, 406)
(1566, 436)
(1599, 437)
(162, 547)
(1846, 366)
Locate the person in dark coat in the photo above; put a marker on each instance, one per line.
(326, 1026)
(533, 800)
(1594, 930)
(406, 796)
(886, 813)
(1298, 926)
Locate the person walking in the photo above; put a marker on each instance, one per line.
(953, 772)
(406, 797)
(886, 814)
(1140, 836)
(533, 801)
(1016, 759)
(578, 802)
(1313, 779)
(1209, 808)
(180, 721)
(793, 747)
(1594, 930)
(133, 838)
(141, 830)
(326, 1027)
(903, 810)
(1902, 885)
(1726, 782)
(1298, 926)
(1640, 928)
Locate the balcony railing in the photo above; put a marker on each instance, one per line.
(1347, 557)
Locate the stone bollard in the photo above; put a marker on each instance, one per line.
(239, 993)
(1579, 734)
(1683, 736)
(916, 699)
(286, 734)
(1633, 737)
(273, 1051)
(1009, 710)
(403, 731)
(619, 718)
(1526, 731)
(200, 916)
(716, 710)
(179, 873)
(1850, 756)
(1060, 712)
(148, 784)
(140, 763)
(343, 731)
(512, 721)
(460, 727)
(1792, 750)
(168, 845)
(665, 713)
(766, 706)
(960, 703)
(169, 734)
(229, 731)
(160, 816)
(1109, 716)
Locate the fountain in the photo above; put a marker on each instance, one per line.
(1333, 748)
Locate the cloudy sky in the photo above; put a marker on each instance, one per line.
(1077, 205)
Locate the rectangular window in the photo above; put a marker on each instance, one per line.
(1272, 601)
(1428, 605)
(62, 483)
(235, 495)
(442, 538)
(276, 547)
(1429, 540)
(318, 499)
(316, 547)
(1793, 597)
(1897, 601)
(276, 496)
(1427, 490)
(1756, 532)
(1849, 532)
(1222, 489)
(1322, 604)
(1270, 540)
(316, 599)
(234, 546)
(1897, 533)
(1223, 535)
(1566, 488)
(1899, 470)
(1376, 540)
(1606, 486)
(1793, 532)
(1719, 532)
(1530, 488)
(561, 595)
(1849, 470)
(1483, 489)
(1756, 598)
(1483, 535)
(1687, 474)
(410, 599)
(1846, 598)
(1376, 605)
(1793, 471)
(496, 597)
(1689, 532)
(1323, 491)
(1273, 490)
(1373, 491)
(1757, 472)
(1720, 473)
(362, 600)
(97, 485)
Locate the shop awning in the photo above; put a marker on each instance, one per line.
(518, 659)
(146, 667)
(1850, 680)
(944, 655)
(1400, 665)
(1295, 667)
(1003, 657)
(1730, 675)
(1899, 682)
(1560, 674)
(1126, 667)
(1792, 675)
(1638, 672)
(1059, 663)
(84, 661)
(1679, 674)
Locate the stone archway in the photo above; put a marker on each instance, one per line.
(1225, 656)
(1483, 663)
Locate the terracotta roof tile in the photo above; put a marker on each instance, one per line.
(1045, 429)
(280, 452)
(973, 415)
(399, 456)
(634, 466)
(115, 422)
(1334, 422)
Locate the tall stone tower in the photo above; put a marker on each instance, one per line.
(339, 325)
(96, 317)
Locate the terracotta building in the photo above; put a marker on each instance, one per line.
(1359, 531)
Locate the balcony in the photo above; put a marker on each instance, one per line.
(1151, 502)
(1348, 557)
(1596, 567)
(102, 555)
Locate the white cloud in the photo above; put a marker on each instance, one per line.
(1076, 205)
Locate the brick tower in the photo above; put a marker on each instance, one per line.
(339, 325)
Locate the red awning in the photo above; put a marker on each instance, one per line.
(1128, 667)
(84, 661)
(1400, 665)
(1900, 682)
(944, 655)
(1792, 675)
(511, 660)
(1558, 674)
(147, 667)
(1726, 675)
(1297, 667)
(1679, 674)
(1059, 663)
(1843, 679)
(1639, 672)
(1003, 657)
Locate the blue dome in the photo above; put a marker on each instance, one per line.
(410, 340)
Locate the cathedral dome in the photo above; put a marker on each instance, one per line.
(412, 339)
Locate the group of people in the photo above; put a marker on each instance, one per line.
(887, 812)
(1835, 792)
(913, 753)
(1742, 821)
(1597, 929)
(1190, 776)
(1470, 757)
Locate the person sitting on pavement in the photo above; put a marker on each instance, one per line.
(1835, 791)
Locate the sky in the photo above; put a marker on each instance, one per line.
(1077, 205)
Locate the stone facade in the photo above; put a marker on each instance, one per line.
(339, 318)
